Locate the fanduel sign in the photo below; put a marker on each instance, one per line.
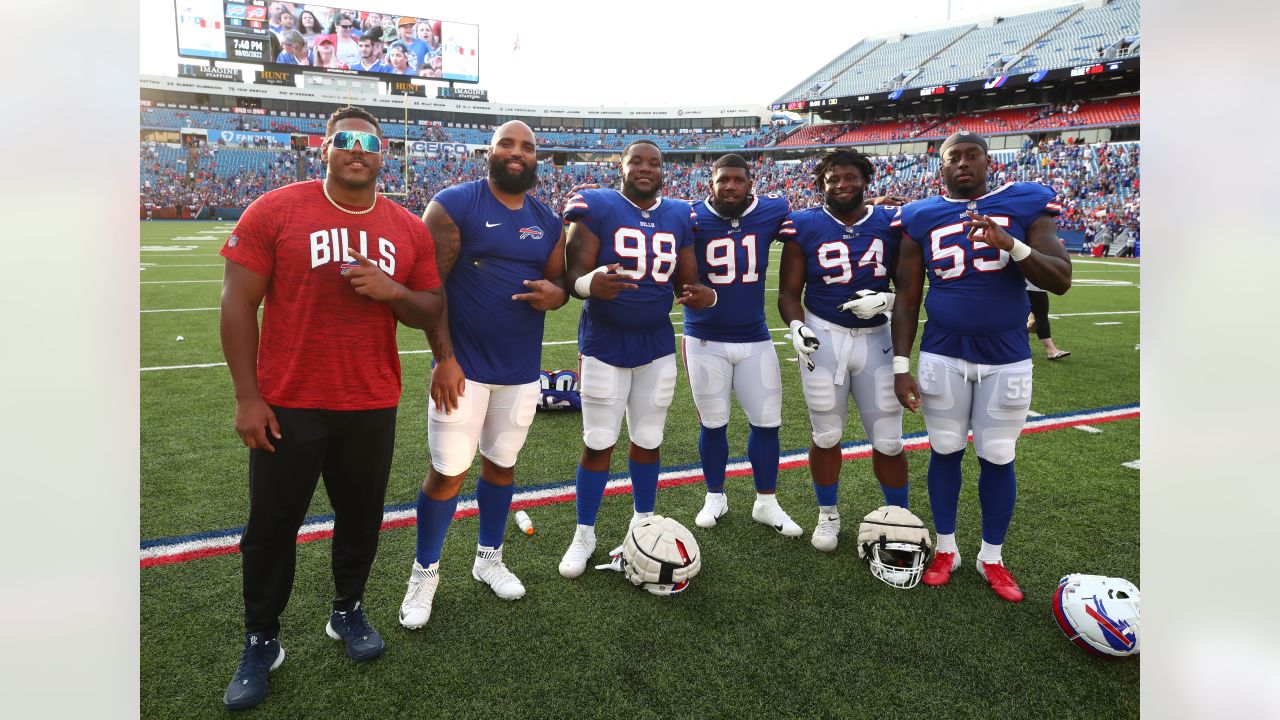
(235, 137)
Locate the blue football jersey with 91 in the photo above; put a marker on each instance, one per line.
(496, 339)
(977, 301)
(733, 257)
(634, 328)
(841, 259)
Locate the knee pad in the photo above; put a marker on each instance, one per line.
(826, 438)
(888, 446)
(999, 452)
(599, 438)
(647, 431)
(946, 442)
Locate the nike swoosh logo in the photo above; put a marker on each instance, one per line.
(778, 527)
(489, 224)
(886, 350)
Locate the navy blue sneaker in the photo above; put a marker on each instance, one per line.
(249, 686)
(352, 628)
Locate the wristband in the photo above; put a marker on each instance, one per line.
(1019, 251)
(901, 365)
(583, 284)
(715, 298)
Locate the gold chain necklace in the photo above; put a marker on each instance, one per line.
(325, 189)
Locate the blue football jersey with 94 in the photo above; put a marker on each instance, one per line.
(634, 328)
(977, 301)
(733, 259)
(842, 259)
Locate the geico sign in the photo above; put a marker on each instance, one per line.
(438, 148)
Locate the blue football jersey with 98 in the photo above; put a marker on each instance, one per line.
(733, 257)
(496, 339)
(634, 328)
(841, 259)
(977, 301)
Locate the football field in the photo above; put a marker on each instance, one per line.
(770, 626)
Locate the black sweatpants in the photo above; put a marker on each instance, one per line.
(352, 450)
(1040, 310)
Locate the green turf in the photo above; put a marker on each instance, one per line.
(769, 626)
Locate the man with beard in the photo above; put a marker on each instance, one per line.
(975, 364)
(727, 348)
(841, 256)
(627, 253)
(369, 61)
(316, 393)
(501, 254)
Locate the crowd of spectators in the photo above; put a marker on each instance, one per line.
(1099, 184)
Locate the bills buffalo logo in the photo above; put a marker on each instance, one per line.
(1119, 634)
(534, 232)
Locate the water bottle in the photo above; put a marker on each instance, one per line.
(526, 525)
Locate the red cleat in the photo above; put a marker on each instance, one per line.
(939, 571)
(1001, 582)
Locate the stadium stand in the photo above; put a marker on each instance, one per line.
(1041, 40)
(980, 48)
(1099, 183)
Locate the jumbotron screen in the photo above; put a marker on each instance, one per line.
(323, 37)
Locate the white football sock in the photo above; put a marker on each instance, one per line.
(828, 509)
(766, 498)
(637, 517)
(989, 553)
(947, 543)
(586, 531)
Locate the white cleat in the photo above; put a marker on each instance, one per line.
(575, 559)
(714, 508)
(488, 568)
(772, 514)
(415, 611)
(826, 534)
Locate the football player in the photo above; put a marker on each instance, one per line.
(979, 249)
(501, 254)
(317, 390)
(727, 348)
(841, 256)
(627, 253)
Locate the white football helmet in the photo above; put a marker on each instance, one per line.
(896, 544)
(660, 555)
(1100, 614)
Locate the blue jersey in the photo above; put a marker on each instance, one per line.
(496, 339)
(977, 301)
(841, 259)
(634, 328)
(733, 257)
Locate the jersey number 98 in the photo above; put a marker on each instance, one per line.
(632, 246)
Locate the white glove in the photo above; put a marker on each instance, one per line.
(867, 304)
(805, 342)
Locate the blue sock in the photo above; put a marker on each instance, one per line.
(434, 517)
(713, 449)
(997, 491)
(589, 488)
(494, 502)
(895, 496)
(762, 449)
(944, 489)
(644, 484)
(827, 495)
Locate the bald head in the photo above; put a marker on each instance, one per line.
(513, 158)
(515, 130)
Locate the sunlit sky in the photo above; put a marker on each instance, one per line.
(659, 53)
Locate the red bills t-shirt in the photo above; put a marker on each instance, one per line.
(322, 345)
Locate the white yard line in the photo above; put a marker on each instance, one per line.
(167, 310)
